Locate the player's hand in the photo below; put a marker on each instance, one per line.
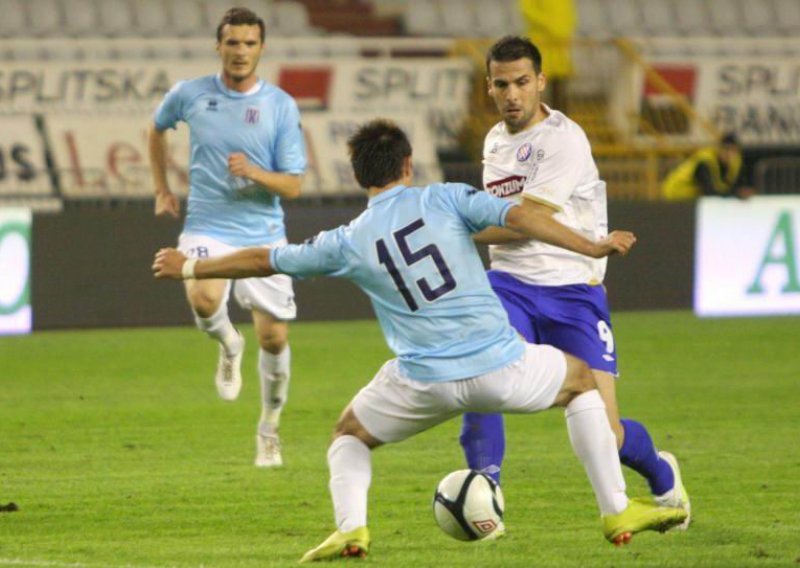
(238, 165)
(167, 204)
(168, 263)
(617, 242)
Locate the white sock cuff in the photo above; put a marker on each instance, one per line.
(589, 400)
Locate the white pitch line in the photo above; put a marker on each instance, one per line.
(57, 564)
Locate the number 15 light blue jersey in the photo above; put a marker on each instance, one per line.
(263, 124)
(412, 252)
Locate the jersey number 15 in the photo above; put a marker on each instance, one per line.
(412, 257)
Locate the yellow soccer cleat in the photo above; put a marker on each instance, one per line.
(678, 497)
(350, 544)
(641, 515)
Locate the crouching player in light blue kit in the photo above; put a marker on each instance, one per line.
(247, 152)
(412, 252)
(540, 159)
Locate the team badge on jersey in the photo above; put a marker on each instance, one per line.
(212, 104)
(524, 152)
(251, 115)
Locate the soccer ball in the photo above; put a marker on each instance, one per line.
(468, 505)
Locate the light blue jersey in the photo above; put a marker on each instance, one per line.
(412, 252)
(265, 126)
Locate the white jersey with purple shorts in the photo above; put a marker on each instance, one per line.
(552, 295)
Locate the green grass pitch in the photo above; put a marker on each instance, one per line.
(116, 449)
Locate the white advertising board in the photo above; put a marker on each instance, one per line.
(16, 316)
(329, 170)
(23, 165)
(97, 157)
(438, 88)
(757, 97)
(93, 160)
(747, 256)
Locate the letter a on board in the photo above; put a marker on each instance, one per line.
(781, 233)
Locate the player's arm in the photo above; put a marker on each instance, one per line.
(166, 201)
(538, 223)
(286, 186)
(245, 263)
(503, 235)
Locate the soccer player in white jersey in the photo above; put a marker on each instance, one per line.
(412, 252)
(247, 153)
(540, 159)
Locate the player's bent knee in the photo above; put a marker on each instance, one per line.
(349, 425)
(579, 380)
(203, 303)
(273, 342)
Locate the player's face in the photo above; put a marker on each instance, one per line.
(240, 49)
(516, 89)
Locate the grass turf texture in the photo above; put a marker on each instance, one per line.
(118, 452)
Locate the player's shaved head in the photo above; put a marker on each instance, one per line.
(377, 152)
(512, 48)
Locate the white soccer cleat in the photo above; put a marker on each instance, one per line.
(678, 496)
(229, 373)
(268, 450)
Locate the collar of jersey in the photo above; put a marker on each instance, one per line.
(236, 94)
(384, 195)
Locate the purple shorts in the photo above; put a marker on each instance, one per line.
(572, 318)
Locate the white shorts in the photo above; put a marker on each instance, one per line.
(273, 295)
(393, 407)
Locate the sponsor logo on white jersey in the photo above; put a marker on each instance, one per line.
(506, 187)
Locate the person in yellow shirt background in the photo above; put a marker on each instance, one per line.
(551, 25)
(712, 171)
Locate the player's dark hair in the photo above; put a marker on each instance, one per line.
(377, 150)
(511, 48)
(240, 17)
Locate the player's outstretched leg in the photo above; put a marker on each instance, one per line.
(274, 372)
(218, 326)
(350, 464)
(660, 469)
(596, 447)
(484, 442)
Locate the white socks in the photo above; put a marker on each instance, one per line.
(220, 328)
(596, 447)
(274, 373)
(350, 464)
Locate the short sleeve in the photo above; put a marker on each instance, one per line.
(290, 148)
(322, 255)
(170, 111)
(477, 209)
(555, 175)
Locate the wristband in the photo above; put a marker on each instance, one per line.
(187, 270)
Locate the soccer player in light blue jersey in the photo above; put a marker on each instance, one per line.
(412, 252)
(247, 153)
